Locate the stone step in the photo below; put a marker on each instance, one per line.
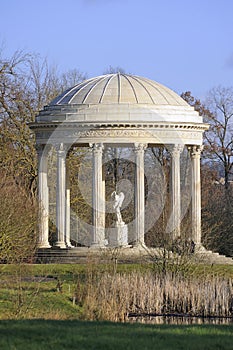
(215, 258)
(82, 255)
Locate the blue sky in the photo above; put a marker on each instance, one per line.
(185, 45)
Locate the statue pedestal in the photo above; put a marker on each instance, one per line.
(119, 235)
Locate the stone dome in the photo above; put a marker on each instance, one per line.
(119, 108)
(119, 88)
(118, 98)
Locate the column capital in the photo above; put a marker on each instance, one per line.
(175, 149)
(61, 148)
(97, 147)
(195, 151)
(140, 147)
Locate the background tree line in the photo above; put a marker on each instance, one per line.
(27, 83)
(217, 168)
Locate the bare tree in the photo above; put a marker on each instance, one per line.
(112, 70)
(18, 222)
(17, 151)
(217, 213)
(218, 112)
(217, 161)
(27, 83)
(219, 139)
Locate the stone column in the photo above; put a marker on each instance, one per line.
(98, 233)
(139, 194)
(174, 228)
(43, 197)
(195, 152)
(103, 197)
(61, 195)
(67, 230)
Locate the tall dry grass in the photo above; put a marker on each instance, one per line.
(113, 297)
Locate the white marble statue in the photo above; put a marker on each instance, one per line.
(117, 203)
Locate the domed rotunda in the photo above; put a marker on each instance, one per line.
(118, 110)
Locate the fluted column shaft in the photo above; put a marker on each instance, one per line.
(139, 194)
(195, 153)
(98, 234)
(43, 197)
(67, 230)
(61, 195)
(175, 152)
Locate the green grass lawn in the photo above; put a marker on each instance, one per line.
(78, 335)
(48, 319)
(41, 299)
(67, 271)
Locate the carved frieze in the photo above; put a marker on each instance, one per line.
(126, 134)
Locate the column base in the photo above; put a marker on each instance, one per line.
(61, 245)
(98, 238)
(176, 233)
(69, 246)
(199, 248)
(44, 245)
(139, 245)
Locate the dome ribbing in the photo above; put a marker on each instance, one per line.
(119, 88)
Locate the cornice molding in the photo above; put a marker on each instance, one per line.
(107, 126)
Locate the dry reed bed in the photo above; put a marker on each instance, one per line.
(113, 297)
